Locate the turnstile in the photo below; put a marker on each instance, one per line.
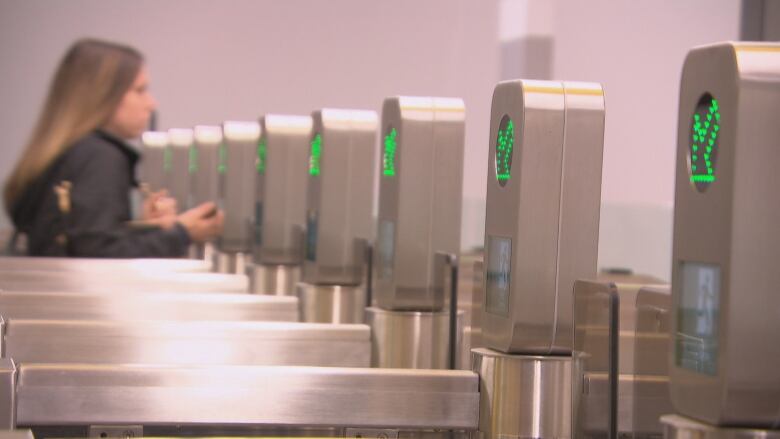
(280, 203)
(204, 161)
(178, 172)
(724, 352)
(541, 234)
(236, 169)
(418, 233)
(339, 222)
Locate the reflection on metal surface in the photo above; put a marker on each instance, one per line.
(158, 306)
(470, 299)
(332, 303)
(231, 263)
(275, 280)
(7, 391)
(641, 400)
(121, 282)
(210, 397)
(470, 293)
(651, 357)
(523, 396)
(185, 342)
(621, 344)
(248, 431)
(627, 276)
(90, 265)
(679, 427)
(472, 339)
(411, 339)
(203, 254)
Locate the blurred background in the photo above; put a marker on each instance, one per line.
(215, 60)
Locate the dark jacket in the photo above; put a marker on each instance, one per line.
(101, 171)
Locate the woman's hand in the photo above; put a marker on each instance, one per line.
(203, 223)
(159, 205)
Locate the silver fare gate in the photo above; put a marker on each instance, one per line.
(78, 400)
(204, 159)
(541, 234)
(339, 223)
(153, 160)
(280, 203)
(177, 173)
(724, 355)
(418, 232)
(236, 189)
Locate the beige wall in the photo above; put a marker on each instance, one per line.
(637, 50)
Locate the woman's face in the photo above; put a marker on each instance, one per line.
(131, 117)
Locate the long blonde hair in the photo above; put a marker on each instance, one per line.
(88, 86)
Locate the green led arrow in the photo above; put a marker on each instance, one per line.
(315, 158)
(262, 151)
(390, 150)
(504, 146)
(705, 129)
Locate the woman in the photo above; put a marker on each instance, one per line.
(69, 192)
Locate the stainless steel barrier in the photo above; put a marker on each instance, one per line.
(412, 339)
(621, 383)
(7, 393)
(16, 434)
(523, 396)
(182, 342)
(164, 400)
(113, 283)
(99, 265)
(681, 427)
(163, 306)
(470, 301)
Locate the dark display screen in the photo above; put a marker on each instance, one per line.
(499, 275)
(696, 341)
